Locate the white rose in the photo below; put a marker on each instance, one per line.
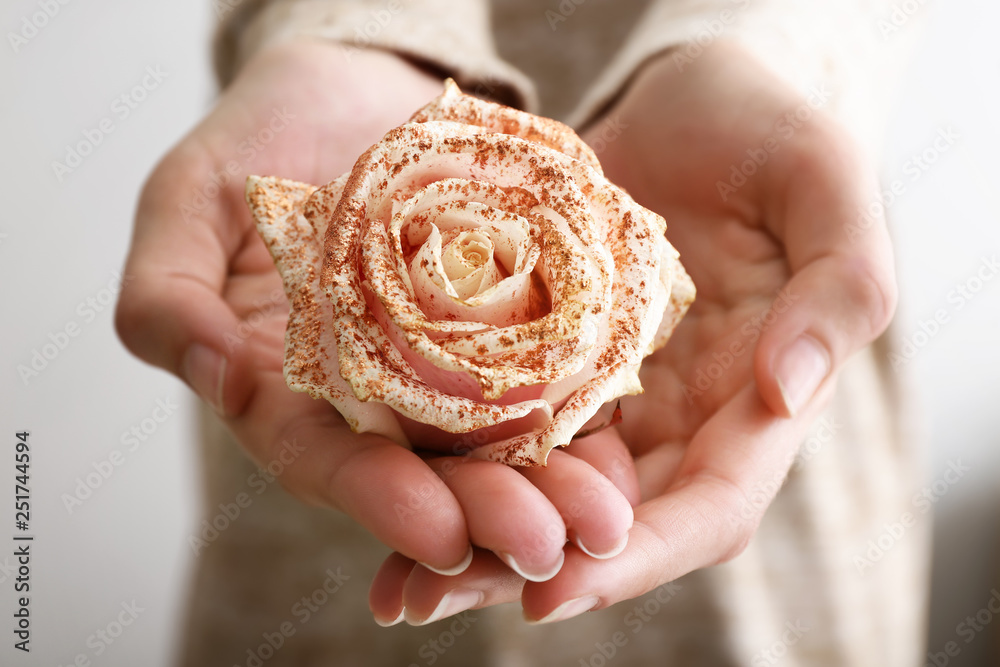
(475, 273)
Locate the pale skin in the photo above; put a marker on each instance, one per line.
(682, 462)
(702, 453)
(193, 282)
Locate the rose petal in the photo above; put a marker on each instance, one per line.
(508, 302)
(468, 263)
(682, 295)
(311, 347)
(377, 369)
(479, 258)
(580, 272)
(451, 203)
(647, 277)
(452, 105)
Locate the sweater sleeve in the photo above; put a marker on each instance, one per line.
(840, 53)
(451, 38)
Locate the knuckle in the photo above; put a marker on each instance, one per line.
(737, 544)
(302, 495)
(337, 478)
(822, 148)
(133, 318)
(742, 514)
(831, 147)
(830, 154)
(284, 454)
(173, 168)
(875, 292)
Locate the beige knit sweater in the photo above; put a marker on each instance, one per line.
(797, 595)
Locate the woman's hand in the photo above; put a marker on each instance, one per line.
(761, 191)
(205, 302)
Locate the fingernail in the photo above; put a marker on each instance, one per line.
(452, 603)
(568, 609)
(205, 371)
(530, 576)
(800, 369)
(615, 550)
(458, 569)
(389, 624)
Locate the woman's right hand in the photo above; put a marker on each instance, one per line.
(205, 303)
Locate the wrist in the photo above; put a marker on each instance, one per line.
(344, 103)
(369, 74)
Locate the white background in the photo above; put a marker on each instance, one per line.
(61, 242)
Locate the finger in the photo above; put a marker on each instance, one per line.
(733, 468)
(506, 514)
(597, 515)
(386, 488)
(385, 597)
(842, 293)
(658, 467)
(171, 312)
(609, 455)
(425, 597)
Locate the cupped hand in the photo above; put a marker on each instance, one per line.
(205, 302)
(762, 192)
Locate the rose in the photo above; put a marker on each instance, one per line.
(474, 273)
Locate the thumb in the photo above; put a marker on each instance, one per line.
(842, 292)
(172, 313)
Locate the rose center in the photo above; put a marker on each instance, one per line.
(466, 253)
(468, 263)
